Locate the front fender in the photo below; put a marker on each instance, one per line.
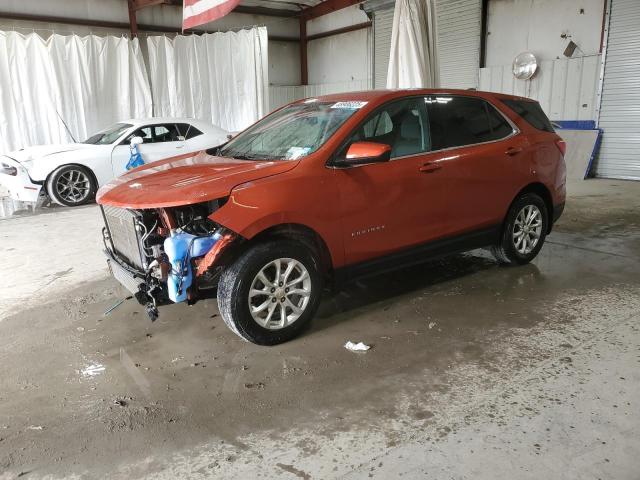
(97, 160)
(292, 197)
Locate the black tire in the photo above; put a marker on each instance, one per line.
(505, 251)
(86, 186)
(235, 283)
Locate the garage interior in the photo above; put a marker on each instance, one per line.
(475, 370)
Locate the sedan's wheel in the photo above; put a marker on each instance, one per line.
(524, 230)
(71, 185)
(271, 292)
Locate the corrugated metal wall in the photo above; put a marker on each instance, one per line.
(382, 26)
(565, 88)
(279, 95)
(459, 28)
(620, 109)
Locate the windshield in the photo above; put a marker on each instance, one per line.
(291, 133)
(108, 135)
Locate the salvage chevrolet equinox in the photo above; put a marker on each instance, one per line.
(329, 189)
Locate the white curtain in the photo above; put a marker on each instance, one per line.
(86, 82)
(219, 77)
(413, 60)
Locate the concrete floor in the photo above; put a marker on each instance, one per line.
(476, 371)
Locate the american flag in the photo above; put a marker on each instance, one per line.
(197, 12)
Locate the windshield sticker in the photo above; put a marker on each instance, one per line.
(296, 152)
(353, 105)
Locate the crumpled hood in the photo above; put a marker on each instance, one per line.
(27, 155)
(185, 180)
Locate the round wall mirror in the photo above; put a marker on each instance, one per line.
(525, 66)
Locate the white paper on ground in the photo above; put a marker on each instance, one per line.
(356, 347)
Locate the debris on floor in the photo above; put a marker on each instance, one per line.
(113, 307)
(356, 347)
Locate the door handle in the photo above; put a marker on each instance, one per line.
(511, 151)
(430, 167)
(180, 146)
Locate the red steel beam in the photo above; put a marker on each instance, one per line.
(133, 22)
(326, 7)
(138, 4)
(338, 31)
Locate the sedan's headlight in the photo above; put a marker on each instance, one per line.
(8, 169)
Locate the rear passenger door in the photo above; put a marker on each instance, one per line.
(477, 153)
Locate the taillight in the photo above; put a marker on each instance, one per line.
(562, 146)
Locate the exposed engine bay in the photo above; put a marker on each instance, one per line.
(168, 254)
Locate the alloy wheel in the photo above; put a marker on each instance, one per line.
(527, 229)
(73, 186)
(279, 293)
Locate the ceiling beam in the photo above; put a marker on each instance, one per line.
(251, 10)
(338, 31)
(91, 23)
(267, 12)
(328, 6)
(139, 4)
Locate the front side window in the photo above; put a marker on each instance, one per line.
(145, 133)
(166, 133)
(456, 121)
(156, 134)
(402, 125)
(291, 133)
(108, 135)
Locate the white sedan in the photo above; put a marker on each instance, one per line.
(72, 173)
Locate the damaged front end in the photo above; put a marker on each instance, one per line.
(168, 254)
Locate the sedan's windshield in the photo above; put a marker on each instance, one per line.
(291, 133)
(108, 135)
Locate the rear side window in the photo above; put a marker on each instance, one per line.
(188, 131)
(459, 121)
(531, 112)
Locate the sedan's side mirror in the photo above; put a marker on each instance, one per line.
(136, 141)
(363, 153)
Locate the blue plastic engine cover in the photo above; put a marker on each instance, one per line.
(181, 248)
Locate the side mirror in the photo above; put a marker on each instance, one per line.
(363, 153)
(181, 138)
(136, 141)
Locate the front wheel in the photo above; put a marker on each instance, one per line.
(71, 185)
(524, 232)
(271, 292)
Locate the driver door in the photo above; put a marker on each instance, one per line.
(159, 142)
(392, 205)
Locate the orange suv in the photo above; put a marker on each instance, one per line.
(329, 189)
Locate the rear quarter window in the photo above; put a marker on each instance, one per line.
(531, 112)
(456, 121)
(188, 131)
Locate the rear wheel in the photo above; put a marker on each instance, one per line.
(271, 292)
(524, 232)
(71, 185)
